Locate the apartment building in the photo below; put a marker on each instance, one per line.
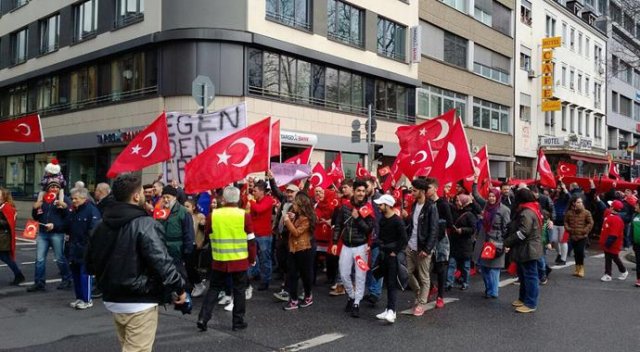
(97, 68)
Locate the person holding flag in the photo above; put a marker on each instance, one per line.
(8, 235)
(354, 225)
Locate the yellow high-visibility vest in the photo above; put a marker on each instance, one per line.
(228, 239)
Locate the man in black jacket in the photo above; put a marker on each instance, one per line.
(422, 230)
(132, 267)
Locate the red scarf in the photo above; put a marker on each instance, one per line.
(534, 207)
(10, 214)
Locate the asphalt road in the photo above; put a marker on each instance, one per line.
(573, 315)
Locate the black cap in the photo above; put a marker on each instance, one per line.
(170, 190)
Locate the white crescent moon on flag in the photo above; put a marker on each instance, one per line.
(320, 178)
(298, 161)
(444, 130)
(360, 173)
(27, 131)
(422, 158)
(31, 227)
(248, 142)
(163, 213)
(543, 167)
(154, 143)
(451, 149)
(564, 168)
(476, 160)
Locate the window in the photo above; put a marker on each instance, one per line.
(628, 23)
(549, 118)
(525, 12)
(391, 39)
(572, 39)
(483, 10)
(625, 72)
(460, 5)
(19, 47)
(434, 101)
(625, 106)
(490, 116)
(550, 26)
(48, 93)
(636, 111)
(579, 43)
(564, 34)
(636, 79)
(614, 101)
(84, 86)
(615, 65)
(564, 76)
(345, 23)
(597, 87)
(564, 117)
(525, 107)
(19, 3)
(85, 20)
(572, 120)
(49, 34)
(579, 83)
(391, 99)
(525, 58)
(571, 78)
(587, 43)
(501, 18)
(444, 46)
(587, 126)
(597, 59)
(292, 13)
(455, 49)
(18, 100)
(580, 122)
(597, 126)
(615, 12)
(129, 11)
(491, 65)
(130, 74)
(586, 86)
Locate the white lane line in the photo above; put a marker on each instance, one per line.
(601, 255)
(506, 282)
(314, 342)
(47, 281)
(555, 267)
(25, 240)
(430, 305)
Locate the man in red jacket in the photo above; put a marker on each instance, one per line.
(261, 210)
(611, 241)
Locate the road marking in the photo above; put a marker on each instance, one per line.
(601, 255)
(429, 306)
(506, 282)
(47, 281)
(25, 240)
(555, 267)
(314, 342)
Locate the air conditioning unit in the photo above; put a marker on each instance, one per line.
(531, 73)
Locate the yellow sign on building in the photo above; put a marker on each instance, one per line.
(551, 105)
(552, 42)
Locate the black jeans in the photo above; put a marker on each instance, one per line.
(578, 250)
(636, 249)
(608, 258)
(217, 284)
(391, 279)
(332, 268)
(441, 273)
(299, 263)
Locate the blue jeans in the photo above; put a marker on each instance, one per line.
(6, 257)
(43, 242)
(263, 265)
(491, 278)
(529, 283)
(374, 286)
(465, 268)
(542, 268)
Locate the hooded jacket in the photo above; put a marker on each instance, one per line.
(129, 258)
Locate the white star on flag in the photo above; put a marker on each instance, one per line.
(223, 158)
(135, 149)
(423, 132)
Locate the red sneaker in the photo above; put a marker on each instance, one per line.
(440, 302)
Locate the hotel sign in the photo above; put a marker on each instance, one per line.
(552, 42)
(552, 141)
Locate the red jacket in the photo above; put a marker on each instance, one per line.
(261, 212)
(612, 226)
(235, 265)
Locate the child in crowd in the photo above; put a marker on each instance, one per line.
(52, 173)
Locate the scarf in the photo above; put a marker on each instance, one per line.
(490, 211)
(533, 206)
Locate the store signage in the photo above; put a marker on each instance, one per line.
(551, 141)
(289, 137)
(552, 42)
(549, 103)
(585, 143)
(416, 44)
(117, 137)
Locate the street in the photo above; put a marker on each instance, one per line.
(573, 315)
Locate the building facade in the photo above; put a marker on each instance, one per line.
(574, 74)
(95, 70)
(467, 63)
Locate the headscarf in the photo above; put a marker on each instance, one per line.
(464, 199)
(490, 210)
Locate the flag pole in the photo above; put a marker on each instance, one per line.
(535, 175)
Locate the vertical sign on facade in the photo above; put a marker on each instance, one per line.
(549, 103)
(416, 44)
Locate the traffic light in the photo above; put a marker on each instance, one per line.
(376, 151)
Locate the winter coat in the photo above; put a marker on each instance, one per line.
(560, 206)
(462, 243)
(80, 223)
(299, 234)
(427, 226)
(50, 213)
(612, 234)
(353, 231)
(524, 237)
(578, 224)
(498, 233)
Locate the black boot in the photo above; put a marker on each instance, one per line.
(355, 311)
(18, 280)
(349, 306)
(202, 325)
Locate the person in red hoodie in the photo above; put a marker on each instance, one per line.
(261, 210)
(611, 238)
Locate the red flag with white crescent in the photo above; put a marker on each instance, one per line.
(361, 171)
(275, 138)
(49, 197)
(320, 178)
(566, 169)
(161, 213)
(336, 172)
(25, 129)
(481, 166)
(453, 162)
(613, 169)
(434, 131)
(384, 171)
(302, 158)
(547, 179)
(361, 263)
(149, 147)
(31, 230)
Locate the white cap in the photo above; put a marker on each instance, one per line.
(385, 199)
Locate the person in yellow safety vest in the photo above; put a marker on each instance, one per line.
(233, 249)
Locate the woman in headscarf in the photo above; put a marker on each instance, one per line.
(462, 237)
(524, 244)
(495, 221)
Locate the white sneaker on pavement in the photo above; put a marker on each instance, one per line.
(383, 315)
(605, 278)
(391, 317)
(224, 300)
(229, 307)
(249, 292)
(75, 303)
(198, 289)
(84, 305)
(623, 276)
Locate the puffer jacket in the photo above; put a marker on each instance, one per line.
(127, 255)
(498, 233)
(578, 224)
(524, 237)
(354, 232)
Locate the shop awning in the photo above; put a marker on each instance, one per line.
(590, 159)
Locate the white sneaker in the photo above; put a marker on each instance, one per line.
(605, 278)
(391, 317)
(225, 300)
(383, 315)
(198, 290)
(623, 276)
(84, 305)
(249, 292)
(75, 303)
(229, 307)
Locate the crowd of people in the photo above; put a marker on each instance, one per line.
(137, 246)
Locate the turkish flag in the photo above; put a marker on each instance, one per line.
(361, 171)
(453, 162)
(566, 169)
(275, 139)
(418, 163)
(481, 166)
(434, 131)
(394, 174)
(544, 170)
(24, 129)
(302, 158)
(30, 229)
(384, 171)
(49, 197)
(161, 213)
(320, 178)
(336, 172)
(230, 159)
(366, 210)
(149, 147)
(361, 263)
(613, 169)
